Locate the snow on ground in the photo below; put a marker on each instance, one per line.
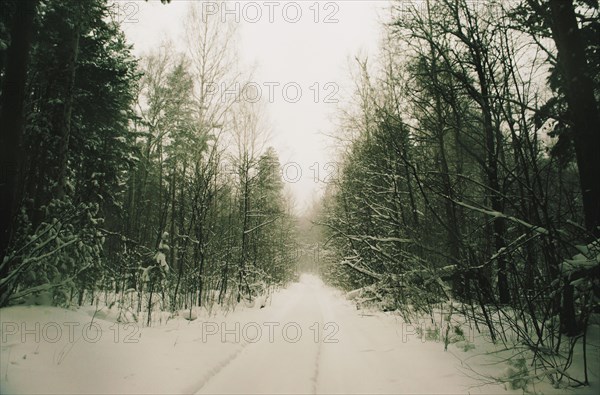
(308, 339)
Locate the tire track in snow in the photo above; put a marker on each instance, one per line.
(329, 300)
(290, 364)
(216, 369)
(315, 378)
(327, 316)
(220, 366)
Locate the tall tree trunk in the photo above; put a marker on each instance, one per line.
(181, 229)
(579, 89)
(11, 121)
(63, 126)
(582, 105)
(493, 148)
(452, 228)
(245, 208)
(173, 251)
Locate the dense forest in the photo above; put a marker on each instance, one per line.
(121, 174)
(471, 172)
(469, 160)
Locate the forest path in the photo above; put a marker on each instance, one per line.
(285, 357)
(320, 343)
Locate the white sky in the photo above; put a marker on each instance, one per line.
(305, 52)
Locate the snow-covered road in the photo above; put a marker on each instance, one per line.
(285, 358)
(308, 339)
(339, 350)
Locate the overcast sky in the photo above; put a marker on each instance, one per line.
(301, 44)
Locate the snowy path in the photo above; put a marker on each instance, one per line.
(285, 362)
(348, 353)
(312, 341)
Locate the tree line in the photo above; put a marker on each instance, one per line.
(470, 171)
(124, 175)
